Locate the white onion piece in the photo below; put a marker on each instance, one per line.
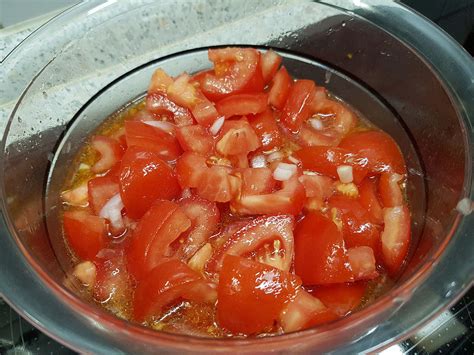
(465, 206)
(186, 193)
(345, 173)
(112, 211)
(85, 272)
(163, 125)
(275, 156)
(258, 161)
(217, 125)
(316, 124)
(284, 171)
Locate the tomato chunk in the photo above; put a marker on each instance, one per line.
(251, 295)
(215, 184)
(159, 103)
(325, 160)
(152, 139)
(110, 153)
(169, 282)
(270, 62)
(369, 199)
(266, 128)
(242, 104)
(195, 138)
(341, 298)
(257, 181)
(160, 81)
(100, 190)
(390, 190)
(237, 138)
(280, 89)
(298, 108)
(380, 150)
(395, 237)
(141, 172)
(150, 242)
(85, 233)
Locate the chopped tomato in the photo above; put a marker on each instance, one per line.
(369, 199)
(341, 298)
(317, 185)
(159, 103)
(204, 216)
(160, 81)
(325, 160)
(266, 128)
(189, 168)
(251, 295)
(395, 237)
(237, 138)
(85, 233)
(298, 108)
(270, 62)
(380, 150)
(195, 138)
(112, 283)
(152, 139)
(242, 104)
(109, 150)
(362, 261)
(280, 89)
(249, 238)
(289, 200)
(390, 190)
(320, 255)
(169, 282)
(236, 70)
(257, 181)
(77, 196)
(157, 230)
(357, 228)
(305, 311)
(141, 172)
(215, 184)
(100, 190)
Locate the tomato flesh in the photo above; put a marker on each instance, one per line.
(267, 130)
(195, 138)
(242, 104)
(280, 89)
(298, 108)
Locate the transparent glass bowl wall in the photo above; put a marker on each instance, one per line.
(101, 41)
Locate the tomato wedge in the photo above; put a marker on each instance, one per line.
(247, 238)
(160, 81)
(85, 233)
(368, 198)
(298, 108)
(270, 62)
(251, 295)
(325, 160)
(140, 171)
(195, 138)
(236, 70)
(237, 138)
(266, 128)
(380, 150)
(110, 153)
(169, 282)
(280, 89)
(390, 190)
(159, 103)
(189, 168)
(157, 230)
(395, 237)
(152, 139)
(100, 190)
(242, 104)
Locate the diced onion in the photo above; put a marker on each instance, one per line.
(217, 125)
(163, 125)
(275, 156)
(465, 206)
(85, 272)
(112, 211)
(345, 173)
(284, 171)
(258, 161)
(186, 193)
(316, 124)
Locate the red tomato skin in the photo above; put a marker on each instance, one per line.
(390, 190)
(267, 130)
(395, 237)
(298, 108)
(110, 153)
(189, 168)
(159, 103)
(85, 233)
(152, 139)
(381, 151)
(369, 199)
(195, 138)
(149, 244)
(100, 190)
(325, 160)
(340, 298)
(320, 256)
(141, 172)
(270, 61)
(242, 104)
(170, 281)
(280, 89)
(251, 295)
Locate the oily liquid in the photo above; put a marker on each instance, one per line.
(184, 317)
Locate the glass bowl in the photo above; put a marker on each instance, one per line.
(391, 64)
